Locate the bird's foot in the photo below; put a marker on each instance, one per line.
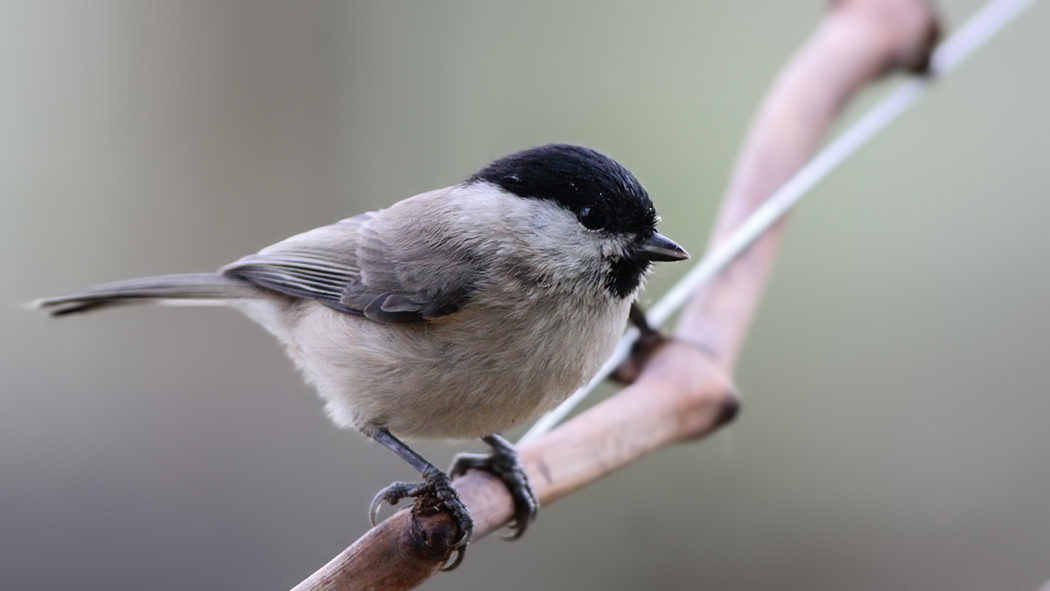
(436, 491)
(649, 340)
(504, 464)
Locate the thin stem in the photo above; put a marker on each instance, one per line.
(982, 27)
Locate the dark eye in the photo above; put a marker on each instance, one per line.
(592, 218)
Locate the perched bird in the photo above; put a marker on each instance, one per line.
(456, 313)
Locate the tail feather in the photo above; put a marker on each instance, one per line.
(194, 286)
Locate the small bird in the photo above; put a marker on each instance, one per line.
(453, 314)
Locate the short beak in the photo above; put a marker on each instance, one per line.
(661, 248)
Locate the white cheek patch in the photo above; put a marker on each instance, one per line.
(540, 235)
(614, 247)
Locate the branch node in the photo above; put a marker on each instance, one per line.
(731, 407)
(641, 351)
(433, 531)
(912, 30)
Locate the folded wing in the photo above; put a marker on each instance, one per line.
(394, 265)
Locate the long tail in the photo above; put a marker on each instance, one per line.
(193, 286)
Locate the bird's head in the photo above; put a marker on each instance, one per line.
(585, 212)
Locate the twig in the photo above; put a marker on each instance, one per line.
(684, 391)
(977, 31)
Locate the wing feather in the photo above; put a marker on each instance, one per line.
(373, 265)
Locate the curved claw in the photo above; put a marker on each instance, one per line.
(460, 553)
(373, 509)
(392, 495)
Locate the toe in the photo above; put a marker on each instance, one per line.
(449, 499)
(466, 462)
(525, 508)
(392, 495)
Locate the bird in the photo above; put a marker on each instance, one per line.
(453, 314)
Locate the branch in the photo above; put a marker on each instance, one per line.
(683, 391)
(858, 42)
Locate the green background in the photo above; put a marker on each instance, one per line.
(894, 433)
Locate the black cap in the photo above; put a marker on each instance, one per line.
(575, 178)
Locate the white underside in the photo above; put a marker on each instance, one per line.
(452, 378)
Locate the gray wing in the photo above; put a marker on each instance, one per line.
(394, 265)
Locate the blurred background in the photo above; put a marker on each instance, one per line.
(895, 382)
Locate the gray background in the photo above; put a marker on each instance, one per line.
(894, 433)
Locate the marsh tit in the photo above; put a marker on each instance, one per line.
(456, 313)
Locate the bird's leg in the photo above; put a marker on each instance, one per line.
(648, 341)
(504, 464)
(436, 485)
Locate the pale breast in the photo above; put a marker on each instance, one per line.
(462, 376)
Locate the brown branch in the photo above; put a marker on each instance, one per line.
(684, 391)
